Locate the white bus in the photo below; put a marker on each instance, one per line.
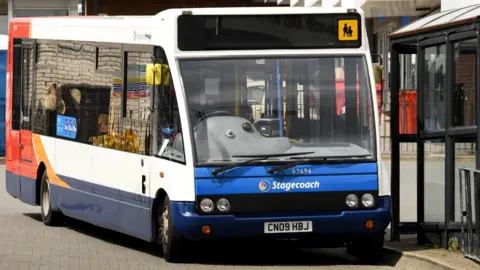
(147, 126)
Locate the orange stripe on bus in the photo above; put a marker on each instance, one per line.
(42, 157)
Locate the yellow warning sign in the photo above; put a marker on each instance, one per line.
(347, 30)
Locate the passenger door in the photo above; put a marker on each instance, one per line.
(13, 136)
(168, 167)
(21, 175)
(134, 167)
(28, 167)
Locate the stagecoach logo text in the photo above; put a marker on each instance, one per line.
(265, 185)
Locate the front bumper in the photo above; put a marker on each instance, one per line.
(340, 226)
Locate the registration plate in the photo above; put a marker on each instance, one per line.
(288, 227)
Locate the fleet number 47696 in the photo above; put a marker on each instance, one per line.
(301, 171)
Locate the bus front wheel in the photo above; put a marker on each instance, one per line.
(172, 243)
(49, 216)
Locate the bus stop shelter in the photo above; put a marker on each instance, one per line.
(446, 97)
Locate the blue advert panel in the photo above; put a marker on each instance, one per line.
(66, 126)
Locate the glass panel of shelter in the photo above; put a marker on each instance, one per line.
(435, 75)
(465, 55)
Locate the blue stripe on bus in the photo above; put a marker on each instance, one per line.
(103, 206)
(21, 187)
(298, 184)
(318, 178)
(109, 213)
(108, 192)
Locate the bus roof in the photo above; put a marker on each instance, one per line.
(149, 30)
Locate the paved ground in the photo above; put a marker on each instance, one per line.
(448, 259)
(434, 185)
(25, 243)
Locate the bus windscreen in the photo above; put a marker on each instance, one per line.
(257, 32)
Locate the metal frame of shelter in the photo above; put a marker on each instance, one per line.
(446, 28)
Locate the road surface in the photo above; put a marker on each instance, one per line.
(25, 243)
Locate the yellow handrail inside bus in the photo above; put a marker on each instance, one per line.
(157, 74)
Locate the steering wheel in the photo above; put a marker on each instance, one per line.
(214, 113)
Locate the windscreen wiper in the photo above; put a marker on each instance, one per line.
(305, 160)
(334, 157)
(255, 158)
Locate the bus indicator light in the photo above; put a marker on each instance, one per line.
(369, 224)
(206, 229)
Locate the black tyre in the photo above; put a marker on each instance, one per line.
(172, 243)
(369, 251)
(49, 216)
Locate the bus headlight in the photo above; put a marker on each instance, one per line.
(207, 205)
(223, 205)
(351, 200)
(368, 200)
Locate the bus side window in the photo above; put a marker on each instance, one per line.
(169, 136)
(27, 85)
(22, 85)
(17, 84)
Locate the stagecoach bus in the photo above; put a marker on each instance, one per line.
(200, 124)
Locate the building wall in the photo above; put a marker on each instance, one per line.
(28, 8)
(152, 7)
(4, 25)
(44, 4)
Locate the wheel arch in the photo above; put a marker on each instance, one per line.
(40, 171)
